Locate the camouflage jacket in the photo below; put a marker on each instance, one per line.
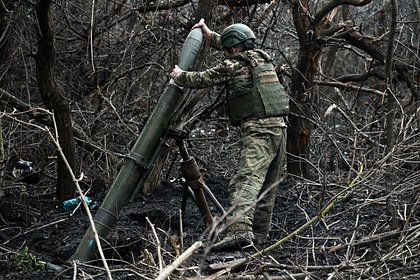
(221, 74)
(253, 89)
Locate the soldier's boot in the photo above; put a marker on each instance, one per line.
(235, 241)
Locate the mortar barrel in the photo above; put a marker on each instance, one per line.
(140, 158)
(136, 165)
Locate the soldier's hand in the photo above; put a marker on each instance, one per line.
(175, 71)
(206, 31)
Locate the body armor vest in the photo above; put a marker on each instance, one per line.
(266, 98)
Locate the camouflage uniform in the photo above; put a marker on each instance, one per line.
(262, 155)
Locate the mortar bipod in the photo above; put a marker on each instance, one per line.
(193, 180)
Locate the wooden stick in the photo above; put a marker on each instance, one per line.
(183, 257)
(160, 259)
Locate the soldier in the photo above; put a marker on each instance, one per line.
(257, 102)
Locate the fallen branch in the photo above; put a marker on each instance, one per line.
(333, 268)
(182, 258)
(370, 239)
(78, 188)
(265, 276)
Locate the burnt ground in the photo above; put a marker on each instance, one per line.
(355, 240)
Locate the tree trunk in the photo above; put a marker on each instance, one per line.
(54, 101)
(5, 12)
(299, 129)
(302, 94)
(392, 103)
(309, 30)
(2, 160)
(5, 17)
(392, 201)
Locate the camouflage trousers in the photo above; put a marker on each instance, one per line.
(261, 164)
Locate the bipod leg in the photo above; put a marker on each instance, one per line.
(193, 177)
(214, 200)
(184, 202)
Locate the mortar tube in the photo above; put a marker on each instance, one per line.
(145, 175)
(140, 156)
(136, 164)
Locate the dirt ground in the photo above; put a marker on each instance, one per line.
(354, 240)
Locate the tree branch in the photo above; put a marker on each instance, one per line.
(350, 87)
(333, 4)
(40, 116)
(241, 3)
(147, 7)
(367, 44)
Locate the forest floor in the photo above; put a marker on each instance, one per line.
(354, 240)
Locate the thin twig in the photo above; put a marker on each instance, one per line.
(370, 239)
(157, 243)
(82, 198)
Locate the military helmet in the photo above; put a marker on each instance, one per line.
(235, 34)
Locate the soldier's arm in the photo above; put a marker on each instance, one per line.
(215, 41)
(221, 74)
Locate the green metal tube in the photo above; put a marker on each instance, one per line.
(141, 157)
(135, 166)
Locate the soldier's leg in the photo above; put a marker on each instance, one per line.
(256, 155)
(267, 196)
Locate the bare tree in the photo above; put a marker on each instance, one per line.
(390, 89)
(53, 99)
(351, 68)
(119, 54)
(313, 27)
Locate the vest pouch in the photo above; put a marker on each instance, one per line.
(266, 98)
(245, 105)
(275, 99)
